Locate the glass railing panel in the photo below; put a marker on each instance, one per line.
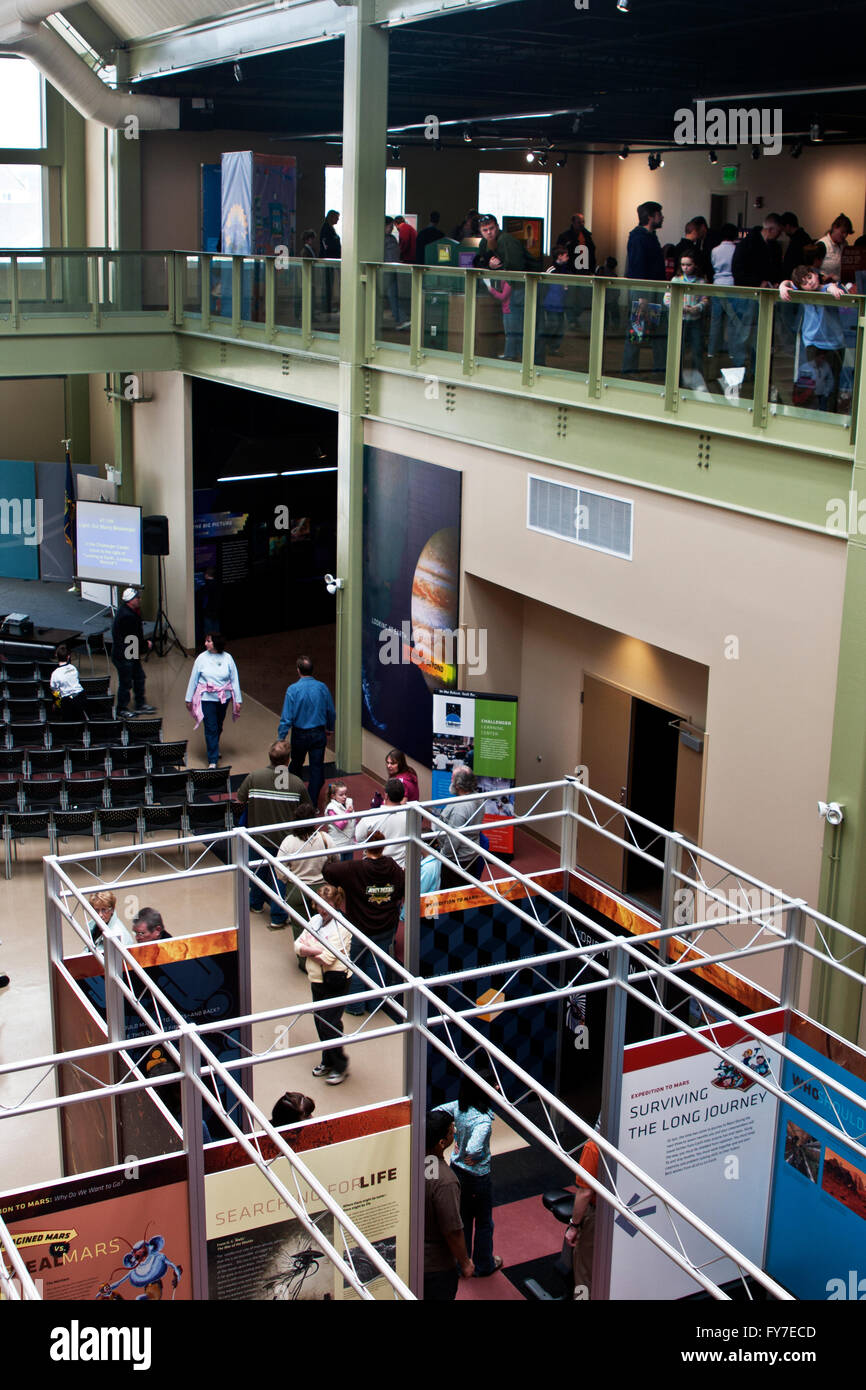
(813, 358)
(288, 291)
(191, 287)
(221, 287)
(443, 301)
(393, 304)
(326, 297)
(34, 293)
(499, 318)
(563, 317)
(719, 343)
(635, 336)
(48, 284)
(253, 290)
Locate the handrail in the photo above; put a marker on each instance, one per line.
(282, 302)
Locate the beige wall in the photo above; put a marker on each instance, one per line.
(445, 180)
(101, 425)
(700, 577)
(33, 416)
(162, 451)
(817, 187)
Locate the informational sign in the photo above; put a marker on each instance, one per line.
(703, 1128)
(817, 1237)
(115, 1236)
(108, 542)
(480, 731)
(257, 1249)
(411, 643)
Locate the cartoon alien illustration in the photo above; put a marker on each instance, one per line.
(146, 1267)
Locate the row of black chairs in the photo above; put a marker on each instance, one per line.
(90, 734)
(100, 760)
(41, 707)
(99, 823)
(36, 687)
(193, 785)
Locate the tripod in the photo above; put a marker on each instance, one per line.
(164, 636)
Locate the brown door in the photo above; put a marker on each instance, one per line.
(605, 751)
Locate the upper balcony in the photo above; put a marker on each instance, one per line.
(729, 360)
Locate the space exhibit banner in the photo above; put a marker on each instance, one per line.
(481, 731)
(818, 1216)
(703, 1128)
(411, 566)
(258, 1249)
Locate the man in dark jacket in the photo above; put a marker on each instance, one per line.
(645, 261)
(578, 239)
(330, 248)
(757, 262)
(432, 232)
(798, 237)
(127, 644)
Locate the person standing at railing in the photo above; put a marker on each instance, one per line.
(757, 261)
(331, 249)
(501, 251)
(821, 333)
(694, 315)
(835, 241)
(390, 278)
(721, 313)
(645, 261)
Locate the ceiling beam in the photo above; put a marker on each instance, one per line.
(271, 29)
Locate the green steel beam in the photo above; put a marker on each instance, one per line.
(365, 119)
(72, 177)
(295, 376)
(46, 354)
(836, 1000)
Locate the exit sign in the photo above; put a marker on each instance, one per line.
(730, 173)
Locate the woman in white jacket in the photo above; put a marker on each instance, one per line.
(213, 683)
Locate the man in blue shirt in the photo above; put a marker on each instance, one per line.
(308, 711)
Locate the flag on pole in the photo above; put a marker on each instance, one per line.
(69, 506)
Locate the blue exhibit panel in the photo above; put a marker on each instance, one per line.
(817, 1228)
(20, 520)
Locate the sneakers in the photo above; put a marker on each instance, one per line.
(276, 926)
(212, 765)
(257, 909)
(335, 1077)
(125, 714)
(145, 709)
(497, 1265)
(321, 1069)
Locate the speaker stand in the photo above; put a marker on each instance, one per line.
(164, 636)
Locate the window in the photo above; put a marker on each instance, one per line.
(593, 519)
(395, 184)
(21, 204)
(516, 195)
(21, 119)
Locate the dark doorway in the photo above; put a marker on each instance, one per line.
(652, 793)
(265, 501)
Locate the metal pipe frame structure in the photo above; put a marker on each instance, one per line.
(610, 962)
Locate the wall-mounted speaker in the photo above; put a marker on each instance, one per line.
(154, 535)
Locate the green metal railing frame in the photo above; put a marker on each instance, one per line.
(89, 312)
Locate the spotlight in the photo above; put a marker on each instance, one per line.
(542, 161)
(796, 149)
(756, 152)
(816, 132)
(530, 157)
(622, 6)
(655, 161)
(832, 812)
(562, 161)
(332, 583)
(713, 157)
(238, 72)
(467, 138)
(623, 154)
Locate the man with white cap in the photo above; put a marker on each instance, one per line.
(128, 640)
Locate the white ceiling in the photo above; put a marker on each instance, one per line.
(136, 19)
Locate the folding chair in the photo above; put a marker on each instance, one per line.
(25, 825)
(143, 730)
(42, 794)
(167, 755)
(66, 824)
(46, 762)
(207, 782)
(127, 789)
(85, 762)
(85, 792)
(166, 788)
(126, 758)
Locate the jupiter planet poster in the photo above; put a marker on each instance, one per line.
(411, 544)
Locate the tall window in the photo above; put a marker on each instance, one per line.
(516, 195)
(395, 183)
(22, 127)
(21, 118)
